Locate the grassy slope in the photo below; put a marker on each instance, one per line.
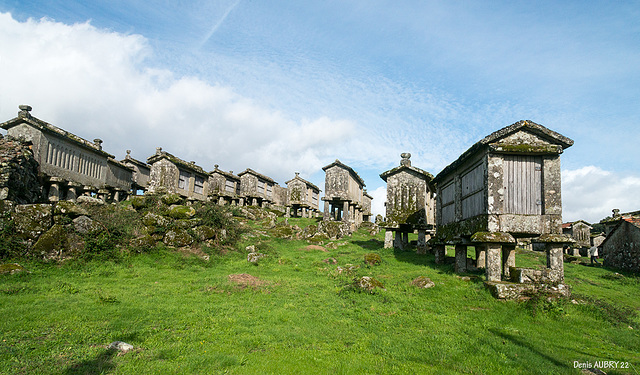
(183, 315)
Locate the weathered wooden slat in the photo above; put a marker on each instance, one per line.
(523, 184)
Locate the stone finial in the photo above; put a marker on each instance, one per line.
(24, 111)
(192, 162)
(405, 159)
(616, 212)
(297, 174)
(128, 154)
(216, 166)
(158, 150)
(98, 143)
(231, 172)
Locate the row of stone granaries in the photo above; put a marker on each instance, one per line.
(71, 166)
(503, 192)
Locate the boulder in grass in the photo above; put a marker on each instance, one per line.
(423, 282)
(120, 346)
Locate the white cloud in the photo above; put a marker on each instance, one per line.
(100, 84)
(590, 193)
(379, 198)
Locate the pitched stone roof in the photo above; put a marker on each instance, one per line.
(348, 168)
(129, 159)
(261, 176)
(25, 117)
(297, 177)
(528, 125)
(427, 176)
(226, 174)
(159, 155)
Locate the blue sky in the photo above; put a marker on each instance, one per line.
(290, 86)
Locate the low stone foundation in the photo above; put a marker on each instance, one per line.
(511, 291)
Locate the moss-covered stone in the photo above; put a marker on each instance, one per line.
(187, 223)
(177, 238)
(11, 268)
(554, 238)
(69, 209)
(204, 232)
(143, 242)
(51, 244)
(492, 237)
(178, 211)
(372, 259)
(171, 199)
(85, 225)
(527, 148)
(31, 220)
(368, 284)
(153, 220)
(423, 282)
(139, 202)
(451, 231)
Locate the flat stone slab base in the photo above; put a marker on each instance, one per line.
(511, 291)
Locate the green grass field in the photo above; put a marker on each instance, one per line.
(295, 314)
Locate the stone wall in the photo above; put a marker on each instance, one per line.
(19, 180)
(621, 249)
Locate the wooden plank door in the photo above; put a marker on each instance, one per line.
(523, 185)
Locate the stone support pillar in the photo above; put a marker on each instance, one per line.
(461, 258)
(508, 260)
(73, 190)
(103, 194)
(288, 212)
(555, 260)
(54, 189)
(493, 261)
(241, 201)
(405, 240)
(481, 256)
(421, 247)
(345, 211)
(304, 212)
(388, 239)
(398, 241)
(221, 200)
(254, 201)
(440, 253)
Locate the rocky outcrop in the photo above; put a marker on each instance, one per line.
(19, 180)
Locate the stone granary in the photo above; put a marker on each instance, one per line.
(70, 165)
(174, 175)
(621, 248)
(410, 205)
(366, 206)
(257, 189)
(505, 187)
(343, 194)
(224, 187)
(141, 173)
(302, 196)
(580, 231)
(616, 218)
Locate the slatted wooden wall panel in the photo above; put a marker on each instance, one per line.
(473, 202)
(448, 195)
(523, 185)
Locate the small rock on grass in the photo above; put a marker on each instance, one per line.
(120, 346)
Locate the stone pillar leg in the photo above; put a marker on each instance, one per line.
(555, 261)
(116, 196)
(254, 201)
(103, 194)
(398, 241)
(508, 260)
(421, 248)
(72, 192)
(440, 253)
(461, 258)
(345, 212)
(405, 240)
(233, 202)
(388, 239)
(221, 201)
(241, 202)
(493, 261)
(481, 257)
(288, 213)
(54, 189)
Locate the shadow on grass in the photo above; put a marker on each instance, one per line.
(524, 344)
(101, 364)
